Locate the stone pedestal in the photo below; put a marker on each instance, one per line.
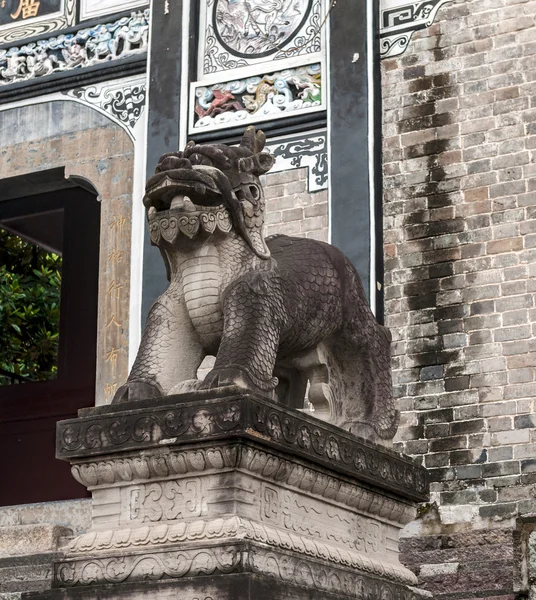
(224, 495)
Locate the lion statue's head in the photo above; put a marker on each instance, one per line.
(210, 187)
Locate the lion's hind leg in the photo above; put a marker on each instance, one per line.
(365, 360)
(363, 355)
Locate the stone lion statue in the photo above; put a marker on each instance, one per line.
(280, 314)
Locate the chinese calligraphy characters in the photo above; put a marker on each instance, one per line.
(27, 8)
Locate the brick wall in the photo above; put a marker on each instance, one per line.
(291, 209)
(460, 247)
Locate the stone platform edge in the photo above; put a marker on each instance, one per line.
(235, 414)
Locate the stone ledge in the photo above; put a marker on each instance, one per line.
(243, 586)
(233, 414)
(20, 540)
(32, 572)
(226, 559)
(247, 456)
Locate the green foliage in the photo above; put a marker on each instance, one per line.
(30, 284)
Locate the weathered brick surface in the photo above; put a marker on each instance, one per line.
(477, 564)
(460, 256)
(291, 209)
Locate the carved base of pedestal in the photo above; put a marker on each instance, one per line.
(234, 586)
(233, 497)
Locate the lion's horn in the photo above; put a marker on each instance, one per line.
(253, 140)
(260, 140)
(248, 139)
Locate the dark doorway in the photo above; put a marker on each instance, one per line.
(67, 223)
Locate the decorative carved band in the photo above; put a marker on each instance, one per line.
(228, 530)
(268, 465)
(299, 570)
(154, 566)
(245, 416)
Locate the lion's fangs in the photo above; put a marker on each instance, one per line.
(183, 203)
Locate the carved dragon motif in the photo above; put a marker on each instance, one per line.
(278, 314)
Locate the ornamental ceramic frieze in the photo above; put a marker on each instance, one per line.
(260, 98)
(245, 416)
(97, 45)
(27, 18)
(399, 19)
(244, 33)
(296, 152)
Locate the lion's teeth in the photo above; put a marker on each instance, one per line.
(151, 213)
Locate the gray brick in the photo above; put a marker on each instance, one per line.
(460, 229)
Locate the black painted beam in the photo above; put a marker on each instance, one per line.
(163, 121)
(350, 157)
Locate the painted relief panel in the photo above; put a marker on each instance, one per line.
(257, 60)
(258, 98)
(297, 152)
(90, 9)
(238, 33)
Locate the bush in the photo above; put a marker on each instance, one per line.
(30, 288)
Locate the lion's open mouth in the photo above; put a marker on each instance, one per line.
(200, 188)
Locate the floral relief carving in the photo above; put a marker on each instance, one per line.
(300, 572)
(148, 566)
(30, 20)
